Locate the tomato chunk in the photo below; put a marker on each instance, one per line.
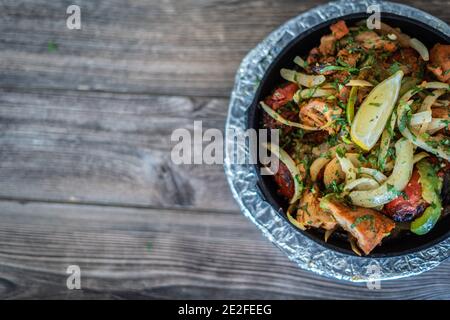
(406, 208)
(339, 29)
(284, 181)
(281, 96)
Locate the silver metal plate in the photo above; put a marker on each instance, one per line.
(308, 254)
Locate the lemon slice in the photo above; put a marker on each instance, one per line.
(374, 112)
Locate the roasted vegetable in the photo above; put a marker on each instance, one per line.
(409, 204)
(431, 189)
(292, 167)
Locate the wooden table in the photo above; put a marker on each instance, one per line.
(86, 178)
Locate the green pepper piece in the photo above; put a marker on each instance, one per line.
(351, 104)
(431, 189)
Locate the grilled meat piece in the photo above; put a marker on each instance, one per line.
(368, 226)
(278, 101)
(328, 42)
(281, 96)
(318, 113)
(313, 57)
(440, 62)
(315, 138)
(349, 58)
(371, 40)
(311, 215)
(339, 29)
(327, 45)
(403, 208)
(409, 60)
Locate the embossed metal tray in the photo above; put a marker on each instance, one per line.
(257, 75)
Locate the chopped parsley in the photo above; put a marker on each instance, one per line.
(334, 187)
(363, 218)
(340, 152)
(394, 67)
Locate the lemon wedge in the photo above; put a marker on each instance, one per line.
(374, 112)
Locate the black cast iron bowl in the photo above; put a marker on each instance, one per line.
(406, 242)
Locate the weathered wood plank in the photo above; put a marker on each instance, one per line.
(189, 47)
(106, 148)
(140, 253)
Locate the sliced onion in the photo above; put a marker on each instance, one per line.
(333, 172)
(354, 159)
(328, 234)
(402, 122)
(323, 160)
(419, 156)
(290, 164)
(435, 85)
(354, 246)
(300, 62)
(436, 124)
(420, 48)
(420, 118)
(348, 168)
(377, 175)
(426, 106)
(297, 96)
(305, 80)
(282, 120)
(385, 142)
(396, 182)
(425, 85)
(295, 222)
(359, 83)
(362, 184)
(317, 166)
(442, 103)
(316, 93)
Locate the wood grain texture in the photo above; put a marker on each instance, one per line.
(106, 148)
(172, 47)
(140, 253)
(85, 143)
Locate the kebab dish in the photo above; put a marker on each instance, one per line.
(364, 143)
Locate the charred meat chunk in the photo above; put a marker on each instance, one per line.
(368, 226)
(440, 62)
